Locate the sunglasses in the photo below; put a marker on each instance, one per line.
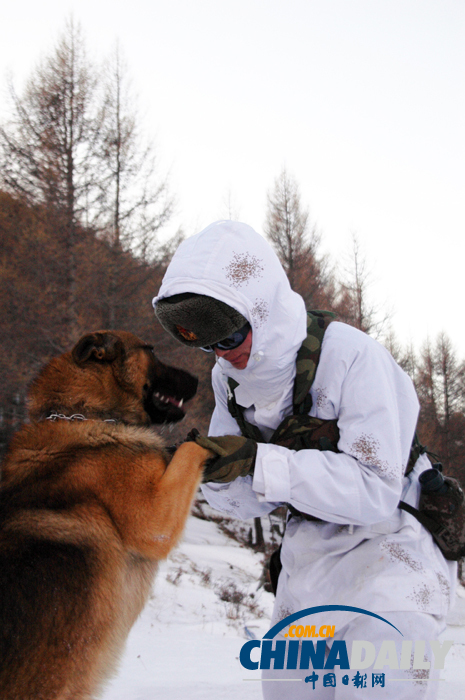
(231, 342)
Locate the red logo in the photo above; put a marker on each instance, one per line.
(188, 335)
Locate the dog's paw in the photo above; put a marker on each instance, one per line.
(192, 435)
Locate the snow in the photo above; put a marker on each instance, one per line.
(454, 671)
(187, 639)
(205, 605)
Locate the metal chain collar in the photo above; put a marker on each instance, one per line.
(75, 416)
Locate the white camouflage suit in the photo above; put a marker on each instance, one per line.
(366, 552)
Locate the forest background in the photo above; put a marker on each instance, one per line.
(84, 211)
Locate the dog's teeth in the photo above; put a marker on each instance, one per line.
(157, 394)
(180, 403)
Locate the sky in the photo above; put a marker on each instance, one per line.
(362, 101)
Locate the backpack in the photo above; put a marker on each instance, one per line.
(441, 508)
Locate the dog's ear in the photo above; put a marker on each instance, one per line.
(103, 347)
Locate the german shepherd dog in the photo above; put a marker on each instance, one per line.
(87, 508)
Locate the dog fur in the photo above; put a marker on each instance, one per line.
(87, 509)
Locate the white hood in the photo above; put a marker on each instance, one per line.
(233, 263)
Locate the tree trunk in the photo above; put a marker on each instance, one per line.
(259, 539)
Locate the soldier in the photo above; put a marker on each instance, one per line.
(346, 540)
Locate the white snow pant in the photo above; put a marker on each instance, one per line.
(341, 684)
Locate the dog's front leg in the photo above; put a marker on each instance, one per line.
(165, 505)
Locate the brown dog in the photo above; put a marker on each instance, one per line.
(87, 508)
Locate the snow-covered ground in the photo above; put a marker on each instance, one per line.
(205, 605)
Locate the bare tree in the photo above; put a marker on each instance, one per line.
(48, 149)
(426, 384)
(73, 148)
(450, 381)
(229, 209)
(440, 383)
(354, 305)
(297, 243)
(134, 199)
(286, 224)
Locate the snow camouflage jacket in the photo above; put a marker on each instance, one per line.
(299, 430)
(441, 511)
(366, 552)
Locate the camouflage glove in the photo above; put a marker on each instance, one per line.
(236, 457)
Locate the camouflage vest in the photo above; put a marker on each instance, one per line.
(298, 431)
(442, 514)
